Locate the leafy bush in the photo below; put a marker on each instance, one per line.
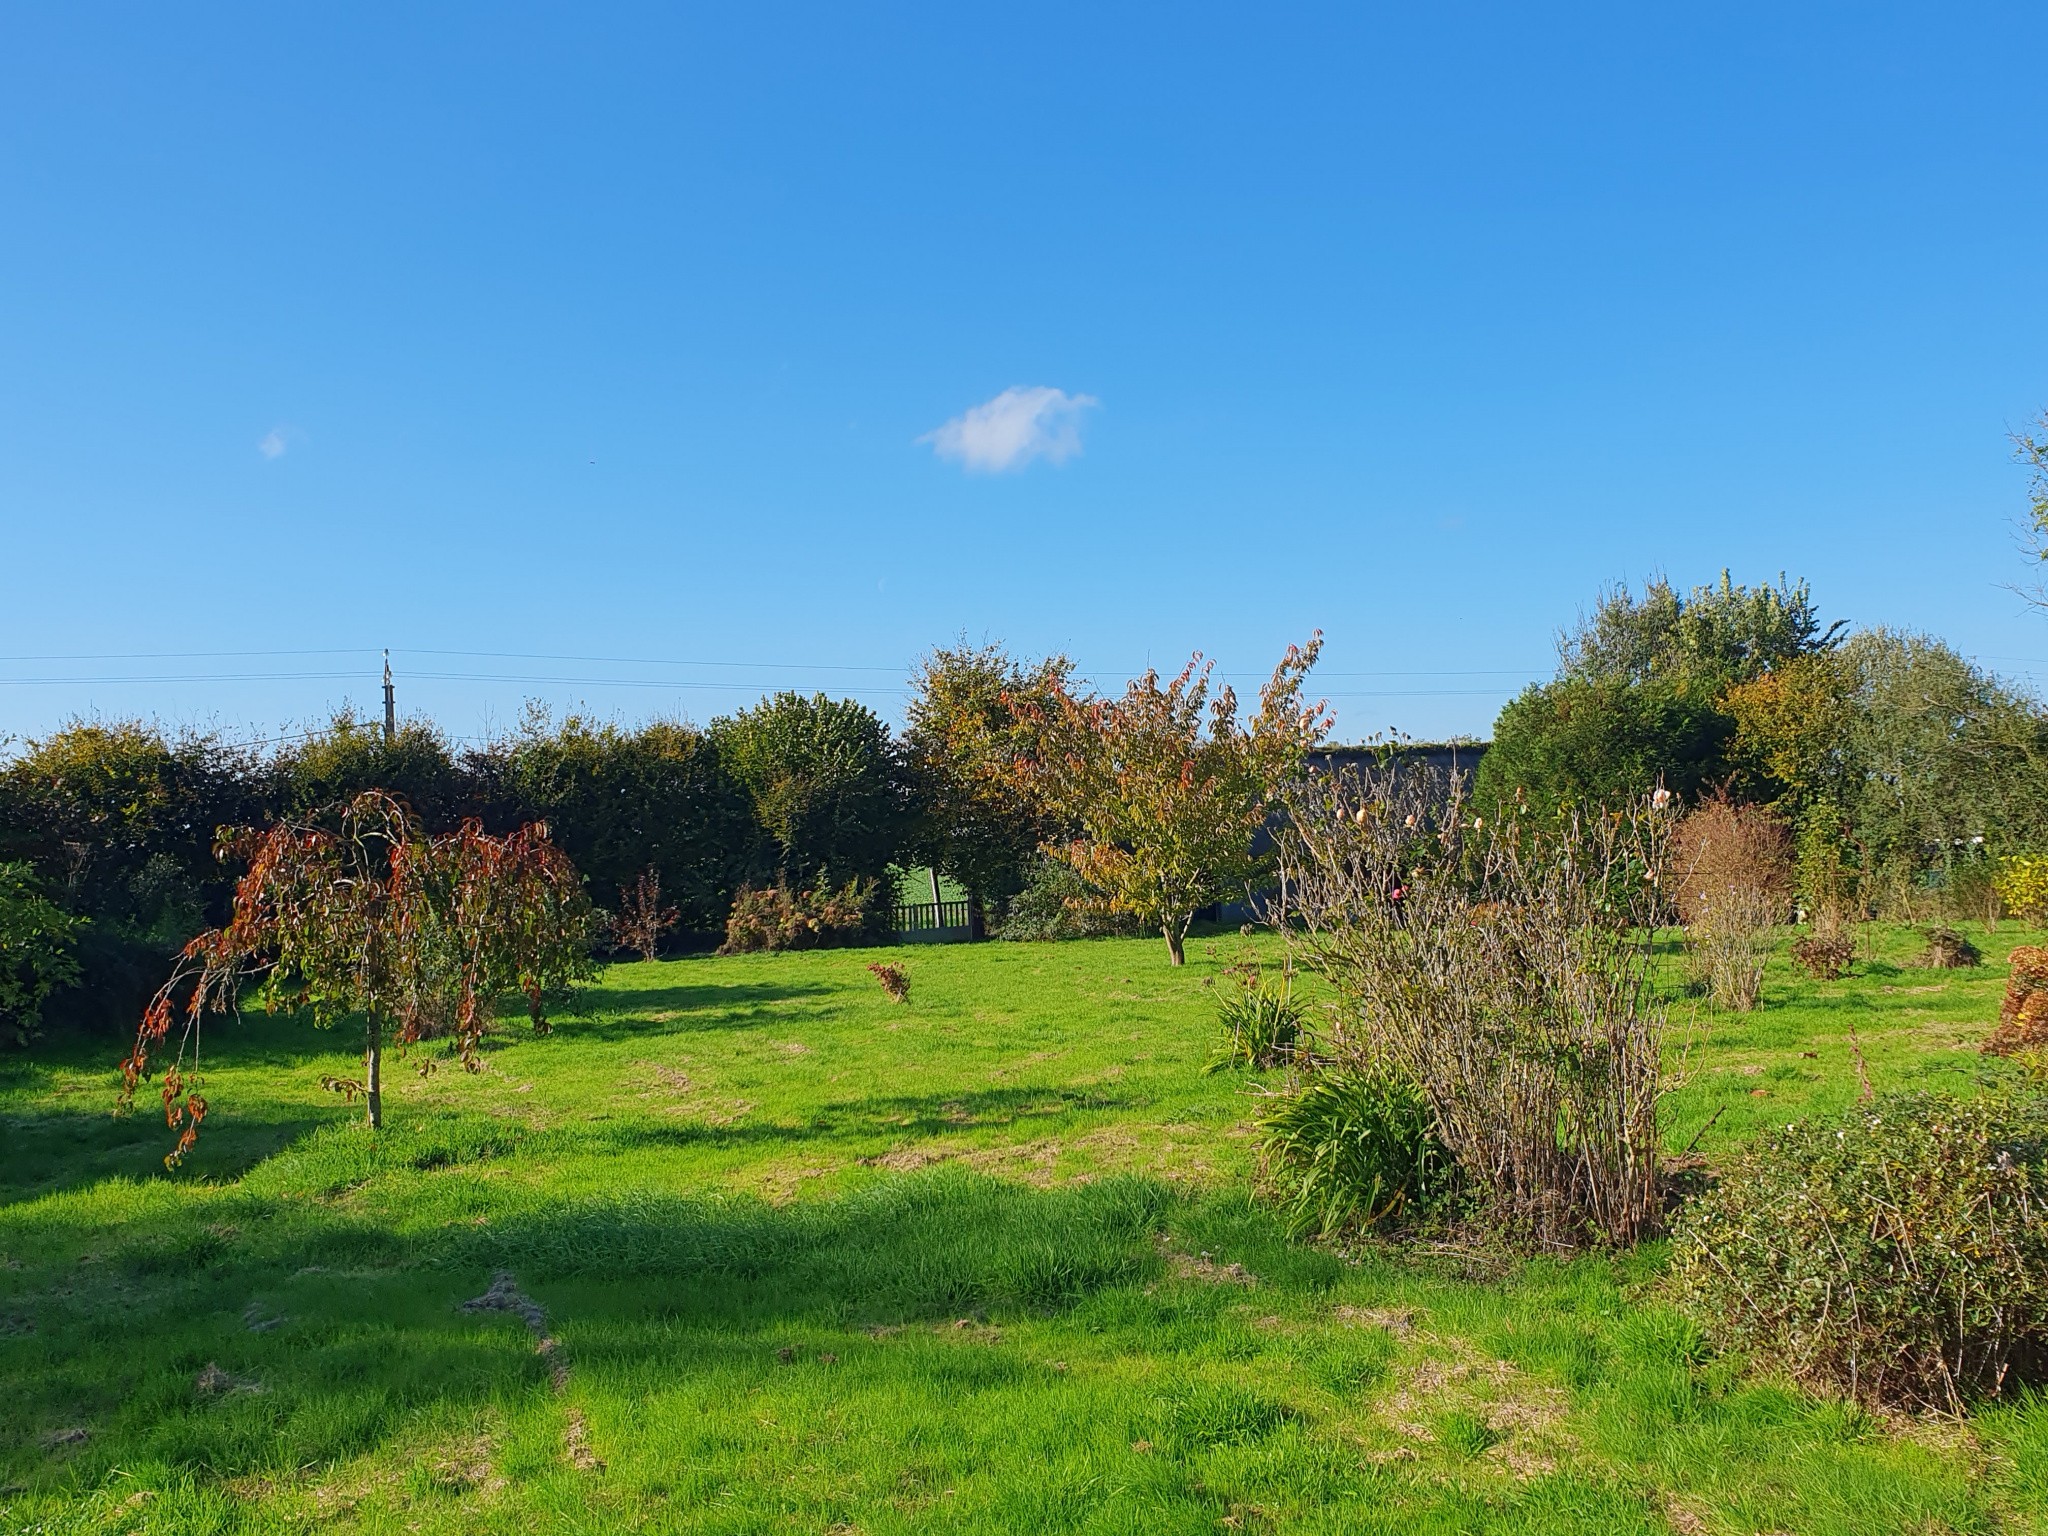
(1898, 1252)
(1349, 1148)
(1825, 956)
(656, 802)
(895, 981)
(1057, 904)
(2022, 884)
(825, 781)
(37, 939)
(1261, 1023)
(778, 918)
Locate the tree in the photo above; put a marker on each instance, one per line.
(2031, 449)
(366, 915)
(961, 744)
(1948, 762)
(825, 785)
(1640, 694)
(118, 822)
(1716, 636)
(622, 803)
(1583, 743)
(37, 938)
(1167, 789)
(1792, 727)
(350, 755)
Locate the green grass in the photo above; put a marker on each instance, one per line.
(813, 1261)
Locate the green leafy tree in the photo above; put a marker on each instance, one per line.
(2031, 448)
(350, 756)
(37, 940)
(1167, 787)
(823, 777)
(627, 804)
(1703, 642)
(1949, 763)
(118, 822)
(1577, 742)
(963, 738)
(1641, 695)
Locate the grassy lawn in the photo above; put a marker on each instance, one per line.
(810, 1261)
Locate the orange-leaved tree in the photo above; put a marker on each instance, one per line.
(367, 916)
(1167, 787)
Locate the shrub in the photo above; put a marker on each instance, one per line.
(777, 918)
(1261, 1023)
(1349, 1148)
(1731, 880)
(2023, 1016)
(37, 940)
(1505, 970)
(1948, 950)
(643, 917)
(2022, 885)
(1898, 1252)
(1057, 904)
(895, 981)
(1825, 956)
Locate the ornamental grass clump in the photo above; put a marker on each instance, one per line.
(1898, 1252)
(1505, 970)
(1261, 1021)
(1349, 1149)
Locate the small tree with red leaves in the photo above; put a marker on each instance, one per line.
(419, 935)
(643, 917)
(1167, 787)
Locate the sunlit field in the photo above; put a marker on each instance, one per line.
(759, 1250)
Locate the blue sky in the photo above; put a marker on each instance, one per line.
(632, 335)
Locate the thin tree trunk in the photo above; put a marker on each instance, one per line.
(1174, 945)
(373, 1082)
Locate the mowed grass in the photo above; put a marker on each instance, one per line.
(811, 1261)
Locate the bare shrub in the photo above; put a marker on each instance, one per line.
(642, 919)
(894, 979)
(1504, 970)
(1825, 956)
(1731, 879)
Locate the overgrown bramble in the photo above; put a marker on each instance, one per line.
(1898, 1252)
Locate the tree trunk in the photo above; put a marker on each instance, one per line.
(373, 1082)
(1174, 945)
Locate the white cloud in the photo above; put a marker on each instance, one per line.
(275, 441)
(1008, 432)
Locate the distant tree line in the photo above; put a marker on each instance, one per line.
(115, 824)
(1065, 812)
(1903, 770)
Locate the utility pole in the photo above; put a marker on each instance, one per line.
(390, 702)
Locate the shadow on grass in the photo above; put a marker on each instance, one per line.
(54, 1148)
(352, 1329)
(622, 1013)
